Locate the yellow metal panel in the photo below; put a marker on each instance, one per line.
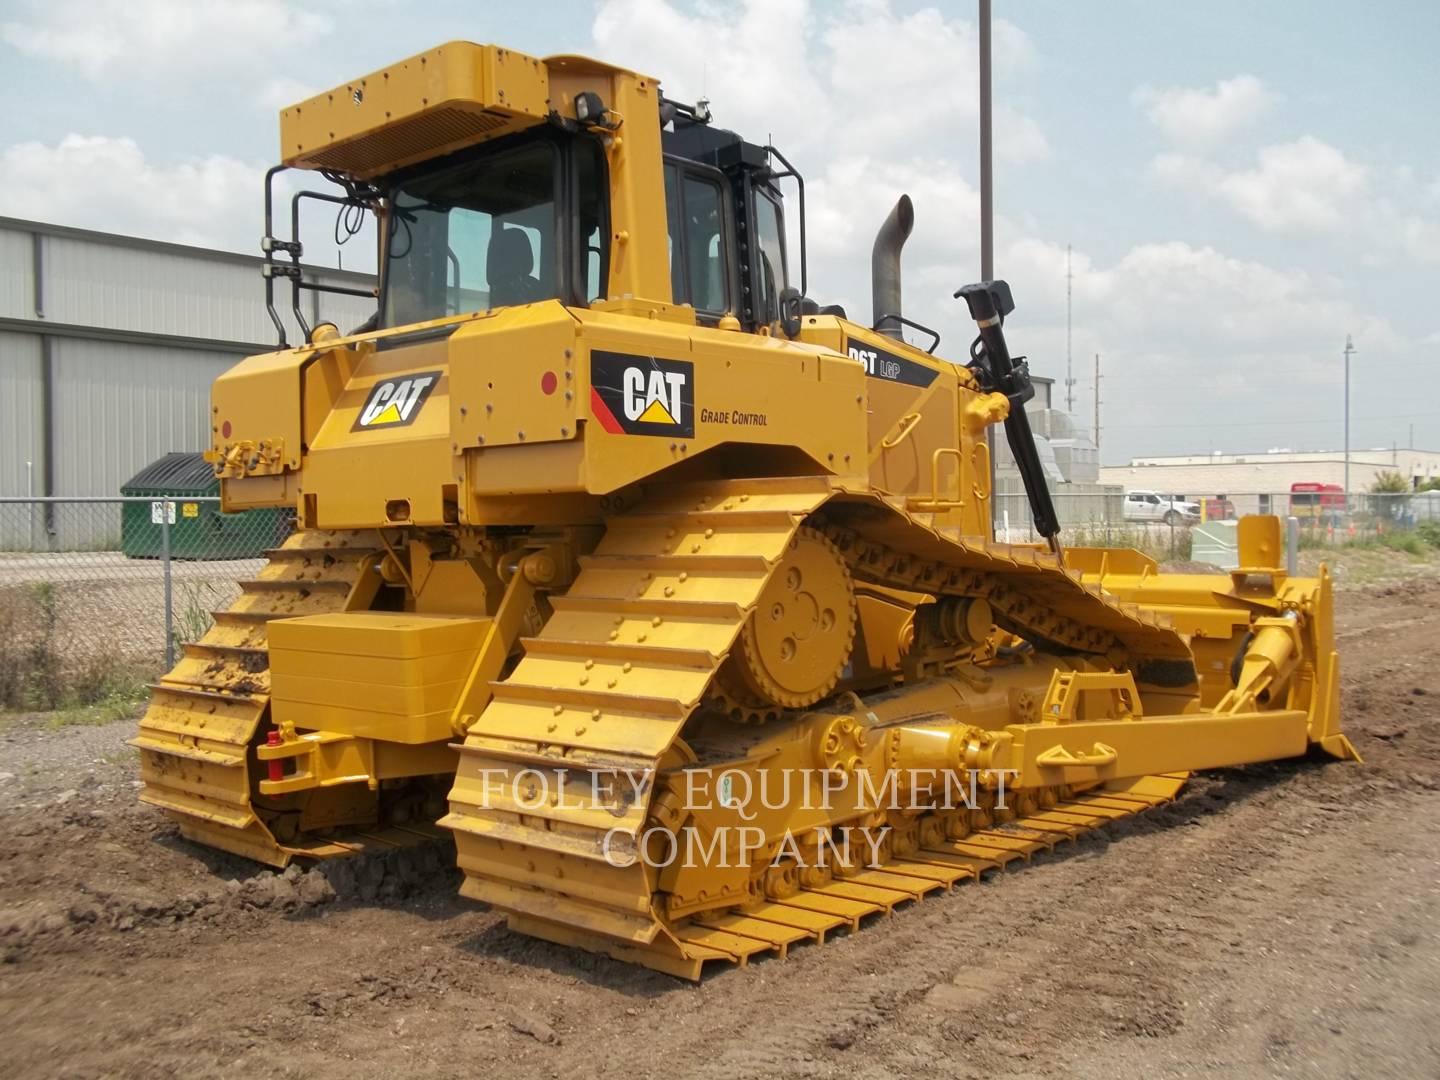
(1156, 745)
(377, 669)
(398, 635)
(406, 466)
(639, 259)
(259, 399)
(747, 391)
(514, 379)
(431, 104)
(400, 725)
(388, 676)
(297, 697)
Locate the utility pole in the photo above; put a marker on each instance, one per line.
(1069, 367)
(987, 208)
(1097, 406)
(1349, 351)
(987, 193)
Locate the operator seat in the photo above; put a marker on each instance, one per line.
(508, 263)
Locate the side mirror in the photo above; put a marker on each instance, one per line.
(792, 306)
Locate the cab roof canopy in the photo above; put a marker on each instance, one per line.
(439, 101)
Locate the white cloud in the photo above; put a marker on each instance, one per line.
(863, 131)
(158, 36)
(1199, 294)
(211, 201)
(1205, 116)
(1419, 236)
(106, 183)
(868, 102)
(870, 77)
(284, 91)
(1304, 185)
(1301, 186)
(1309, 187)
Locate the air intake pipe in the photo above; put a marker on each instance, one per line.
(885, 267)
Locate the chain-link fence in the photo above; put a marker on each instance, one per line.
(1198, 528)
(97, 595)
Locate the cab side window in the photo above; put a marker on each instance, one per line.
(771, 257)
(672, 225)
(699, 250)
(705, 244)
(591, 220)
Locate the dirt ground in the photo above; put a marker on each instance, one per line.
(1276, 920)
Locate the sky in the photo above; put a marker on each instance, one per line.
(1240, 185)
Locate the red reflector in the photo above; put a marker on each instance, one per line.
(225, 430)
(548, 382)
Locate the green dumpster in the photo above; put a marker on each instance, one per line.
(179, 487)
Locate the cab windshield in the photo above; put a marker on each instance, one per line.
(509, 225)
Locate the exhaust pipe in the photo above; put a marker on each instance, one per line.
(885, 266)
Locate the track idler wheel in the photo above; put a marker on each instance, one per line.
(796, 643)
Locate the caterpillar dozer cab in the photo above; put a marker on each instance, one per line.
(670, 593)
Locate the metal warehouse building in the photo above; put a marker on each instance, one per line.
(109, 344)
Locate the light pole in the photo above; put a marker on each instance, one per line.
(1349, 351)
(987, 194)
(987, 208)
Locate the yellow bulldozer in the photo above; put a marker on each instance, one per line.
(670, 593)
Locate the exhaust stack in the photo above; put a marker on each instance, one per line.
(885, 266)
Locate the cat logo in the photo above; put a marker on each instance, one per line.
(396, 401)
(642, 395)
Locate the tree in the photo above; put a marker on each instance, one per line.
(1390, 483)
(1390, 495)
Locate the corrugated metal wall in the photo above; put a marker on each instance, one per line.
(136, 331)
(118, 407)
(16, 261)
(19, 411)
(166, 292)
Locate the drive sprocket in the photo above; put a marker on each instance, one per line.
(793, 648)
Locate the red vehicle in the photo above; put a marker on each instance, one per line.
(1216, 508)
(1316, 500)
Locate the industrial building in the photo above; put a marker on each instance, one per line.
(108, 347)
(1071, 462)
(1244, 478)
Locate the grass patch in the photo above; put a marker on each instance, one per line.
(192, 609)
(1409, 543)
(1160, 542)
(29, 663)
(119, 696)
(42, 669)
